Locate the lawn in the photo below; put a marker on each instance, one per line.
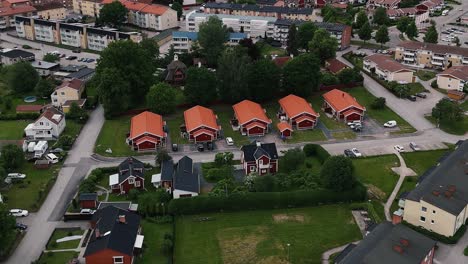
(56, 257)
(19, 100)
(266, 49)
(72, 128)
(415, 88)
(344, 135)
(31, 192)
(61, 233)
(408, 184)
(173, 123)
(225, 114)
(376, 173)
(154, 236)
(13, 129)
(263, 236)
(330, 123)
(113, 135)
(421, 161)
(380, 115)
(452, 127)
(425, 75)
(367, 44)
(464, 105)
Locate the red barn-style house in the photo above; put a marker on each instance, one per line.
(342, 106)
(284, 129)
(146, 132)
(116, 237)
(297, 112)
(88, 200)
(261, 158)
(131, 175)
(251, 119)
(201, 124)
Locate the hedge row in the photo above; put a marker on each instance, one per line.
(19, 116)
(316, 150)
(264, 200)
(441, 238)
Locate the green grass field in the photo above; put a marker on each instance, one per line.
(452, 127)
(61, 233)
(13, 129)
(225, 114)
(154, 237)
(263, 236)
(330, 123)
(421, 161)
(376, 173)
(173, 124)
(344, 135)
(113, 135)
(408, 184)
(425, 75)
(56, 257)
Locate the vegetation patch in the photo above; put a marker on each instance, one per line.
(112, 136)
(425, 75)
(279, 218)
(13, 129)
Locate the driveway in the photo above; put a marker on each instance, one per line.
(452, 253)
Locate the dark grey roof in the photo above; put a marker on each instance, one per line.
(17, 53)
(252, 152)
(266, 2)
(116, 236)
(131, 167)
(185, 178)
(288, 22)
(167, 170)
(80, 74)
(344, 253)
(446, 187)
(88, 197)
(173, 67)
(331, 26)
(257, 8)
(121, 205)
(378, 247)
(72, 68)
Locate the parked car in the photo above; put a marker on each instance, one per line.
(87, 211)
(71, 57)
(52, 158)
(90, 60)
(200, 147)
(412, 98)
(175, 147)
(349, 153)
(414, 146)
(76, 50)
(62, 56)
(357, 125)
(82, 59)
(354, 122)
(56, 150)
(357, 128)
(229, 141)
(421, 95)
(391, 123)
(19, 212)
(356, 152)
(399, 148)
(20, 226)
(16, 175)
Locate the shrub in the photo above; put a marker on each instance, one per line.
(316, 150)
(465, 252)
(65, 142)
(19, 116)
(166, 247)
(378, 103)
(291, 160)
(329, 79)
(434, 84)
(26, 47)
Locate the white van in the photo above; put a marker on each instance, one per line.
(52, 158)
(445, 12)
(40, 149)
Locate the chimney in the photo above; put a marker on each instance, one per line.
(259, 144)
(176, 57)
(435, 193)
(398, 248)
(404, 242)
(452, 188)
(122, 219)
(448, 194)
(97, 233)
(342, 94)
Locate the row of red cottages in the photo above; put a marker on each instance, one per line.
(201, 124)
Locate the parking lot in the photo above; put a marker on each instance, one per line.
(449, 33)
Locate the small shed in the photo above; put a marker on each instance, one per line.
(455, 95)
(285, 129)
(42, 164)
(88, 200)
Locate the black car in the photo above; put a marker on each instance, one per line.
(421, 95)
(21, 226)
(200, 147)
(412, 98)
(348, 153)
(175, 147)
(71, 58)
(76, 50)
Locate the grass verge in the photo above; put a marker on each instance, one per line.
(154, 237)
(13, 129)
(452, 127)
(56, 257)
(113, 135)
(61, 233)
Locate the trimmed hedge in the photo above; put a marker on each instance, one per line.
(316, 150)
(446, 240)
(19, 116)
(264, 200)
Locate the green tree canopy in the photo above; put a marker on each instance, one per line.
(323, 45)
(7, 230)
(12, 157)
(292, 43)
(232, 74)
(447, 110)
(381, 36)
(263, 75)
(161, 156)
(212, 35)
(291, 160)
(337, 173)
(301, 75)
(412, 30)
(365, 32)
(49, 57)
(113, 91)
(44, 88)
(161, 99)
(200, 86)
(177, 7)
(361, 19)
(380, 16)
(431, 35)
(21, 77)
(113, 14)
(305, 34)
(403, 23)
(252, 49)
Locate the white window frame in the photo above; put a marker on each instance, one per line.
(253, 168)
(131, 180)
(423, 209)
(420, 219)
(118, 262)
(137, 184)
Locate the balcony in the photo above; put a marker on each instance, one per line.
(406, 59)
(406, 53)
(465, 61)
(438, 57)
(437, 63)
(264, 166)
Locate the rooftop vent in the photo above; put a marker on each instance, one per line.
(398, 248)
(97, 233)
(452, 188)
(404, 242)
(448, 194)
(122, 219)
(435, 193)
(259, 144)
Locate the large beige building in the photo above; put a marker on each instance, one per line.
(11, 8)
(439, 203)
(454, 78)
(87, 7)
(53, 11)
(387, 69)
(430, 55)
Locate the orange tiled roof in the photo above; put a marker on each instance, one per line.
(282, 126)
(8, 11)
(146, 122)
(141, 7)
(199, 116)
(294, 105)
(340, 100)
(145, 138)
(247, 110)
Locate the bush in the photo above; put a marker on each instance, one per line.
(166, 247)
(329, 79)
(447, 240)
(19, 116)
(434, 84)
(378, 103)
(65, 142)
(264, 200)
(316, 150)
(26, 47)
(465, 252)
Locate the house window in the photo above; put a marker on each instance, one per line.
(137, 184)
(118, 260)
(62, 93)
(424, 209)
(433, 211)
(260, 162)
(252, 168)
(41, 123)
(422, 219)
(432, 221)
(131, 181)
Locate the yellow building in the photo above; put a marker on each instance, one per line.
(68, 91)
(87, 7)
(53, 11)
(388, 69)
(454, 78)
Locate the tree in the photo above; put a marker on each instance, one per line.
(403, 23)
(381, 36)
(380, 16)
(151, 48)
(323, 44)
(65, 141)
(77, 113)
(263, 80)
(301, 75)
(291, 160)
(305, 34)
(113, 14)
(3, 173)
(457, 41)
(226, 187)
(232, 74)
(7, 230)
(200, 86)
(350, 75)
(113, 91)
(153, 203)
(161, 99)
(291, 44)
(212, 35)
(431, 35)
(161, 156)
(378, 103)
(252, 50)
(177, 7)
(44, 88)
(21, 77)
(446, 110)
(412, 30)
(337, 173)
(361, 19)
(365, 32)
(49, 57)
(12, 157)
(224, 159)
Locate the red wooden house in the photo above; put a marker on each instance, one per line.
(342, 106)
(88, 200)
(146, 132)
(297, 112)
(259, 158)
(115, 238)
(251, 118)
(131, 175)
(284, 129)
(201, 124)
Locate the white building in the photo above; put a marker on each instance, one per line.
(182, 41)
(49, 125)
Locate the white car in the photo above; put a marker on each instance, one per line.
(229, 141)
(52, 158)
(87, 211)
(391, 123)
(399, 148)
(414, 146)
(356, 152)
(19, 212)
(16, 175)
(354, 122)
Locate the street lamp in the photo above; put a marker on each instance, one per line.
(288, 249)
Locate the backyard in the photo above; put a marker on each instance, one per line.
(113, 135)
(421, 161)
(61, 233)
(56, 257)
(425, 75)
(264, 236)
(13, 129)
(154, 237)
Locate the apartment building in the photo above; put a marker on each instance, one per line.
(387, 69)
(183, 40)
(74, 35)
(263, 11)
(388, 4)
(53, 10)
(454, 78)
(10, 8)
(87, 7)
(439, 203)
(430, 55)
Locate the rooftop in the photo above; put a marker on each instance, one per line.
(247, 110)
(16, 53)
(131, 167)
(146, 122)
(460, 72)
(221, 16)
(252, 152)
(335, 65)
(386, 63)
(341, 100)
(199, 116)
(44, 64)
(435, 48)
(184, 177)
(249, 7)
(294, 105)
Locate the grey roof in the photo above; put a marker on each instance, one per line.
(379, 246)
(344, 253)
(446, 187)
(80, 74)
(88, 197)
(131, 167)
(173, 67)
(185, 178)
(121, 205)
(72, 68)
(17, 53)
(167, 170)
(331, 26)
(44, 64)
(252, 152)
(116, 236)
(221, 16)
(288, 22)
(267, 8)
